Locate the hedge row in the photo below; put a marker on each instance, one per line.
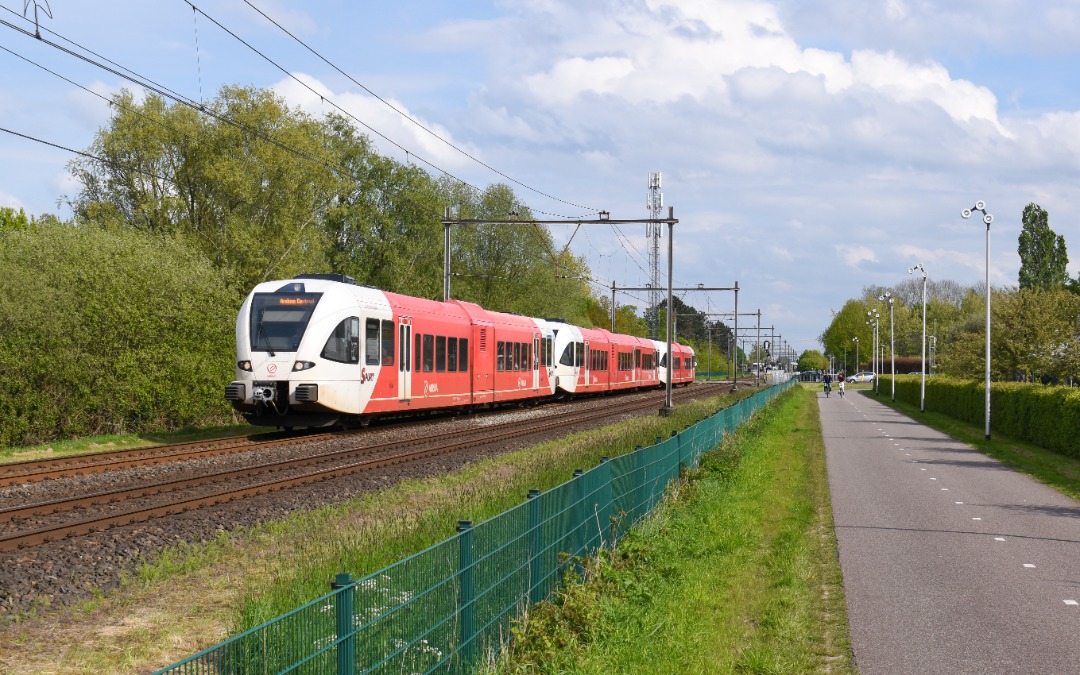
(1047, 416)
(104, 333)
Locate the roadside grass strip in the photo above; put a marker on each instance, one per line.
(737, 572)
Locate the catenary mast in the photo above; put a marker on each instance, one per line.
(654, 202)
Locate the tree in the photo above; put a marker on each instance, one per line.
(1042, 252)
(812, 359)
(11, 220)
(248, 184)
(848, 323)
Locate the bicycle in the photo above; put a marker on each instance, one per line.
(840, 386)
(828, 388)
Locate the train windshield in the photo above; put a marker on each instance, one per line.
(278, 320)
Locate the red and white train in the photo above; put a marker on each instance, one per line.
(319, 349)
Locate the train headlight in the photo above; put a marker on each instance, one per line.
(244, 365)
(303, 365)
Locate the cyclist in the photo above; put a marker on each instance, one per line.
(828, 384)
(840, 383)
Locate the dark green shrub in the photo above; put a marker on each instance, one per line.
(1048, 416)
(103, 333)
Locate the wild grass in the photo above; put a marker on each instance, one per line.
(737, 572)
(376, 530)
(81, 446)
(196, 595)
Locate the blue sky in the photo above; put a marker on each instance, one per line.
(809, 148)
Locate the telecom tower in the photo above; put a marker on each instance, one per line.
(654, 202)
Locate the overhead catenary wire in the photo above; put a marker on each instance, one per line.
(130, 75)
(407, 116)
(114, 68)
(359, 121)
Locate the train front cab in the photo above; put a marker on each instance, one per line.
(298, 349)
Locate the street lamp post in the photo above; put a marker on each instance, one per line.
(875, 362)
(856, 339)
(987, 218)
(892, 341)
(922, 388)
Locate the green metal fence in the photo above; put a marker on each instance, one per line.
(451, 607)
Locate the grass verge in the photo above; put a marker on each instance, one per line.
(737, 572)
(195, 596)
(82, 446)
(1046, 466)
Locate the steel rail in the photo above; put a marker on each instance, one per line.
(18, 540)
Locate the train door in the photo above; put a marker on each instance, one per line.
(405, 360)
(585, 365)
(536, 362)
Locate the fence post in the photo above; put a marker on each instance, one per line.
(465, 599)
(678, 446)
(639, 483)
(605, 511)
(343, 613)
(535, 562)
(579, 513)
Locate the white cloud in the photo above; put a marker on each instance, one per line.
(782, 253)
(317, 99)
(904, 82)
(673, 49)
(94, 109)
(11, 201)
(853, 256)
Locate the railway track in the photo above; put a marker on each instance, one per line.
(35, 470)
(39, 523)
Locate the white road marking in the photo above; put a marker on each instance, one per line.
(933, 479)
(976, 518)
(959, 502)
(1029, 565)
(1072, 602)
(944, 489)
(999, 538)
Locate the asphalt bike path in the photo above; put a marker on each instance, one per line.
(952, 562)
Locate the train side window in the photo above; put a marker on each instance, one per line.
(517, 356)
(440, 354)
(371, 342)
(499, 357)
(548, 349)
(463, 355)
(388, 343)
(451, 354)
(417, 351)
(343, 345)
(579, 356)
(429, 353)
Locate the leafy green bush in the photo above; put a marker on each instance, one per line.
(1047, 416)
(104, 333)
